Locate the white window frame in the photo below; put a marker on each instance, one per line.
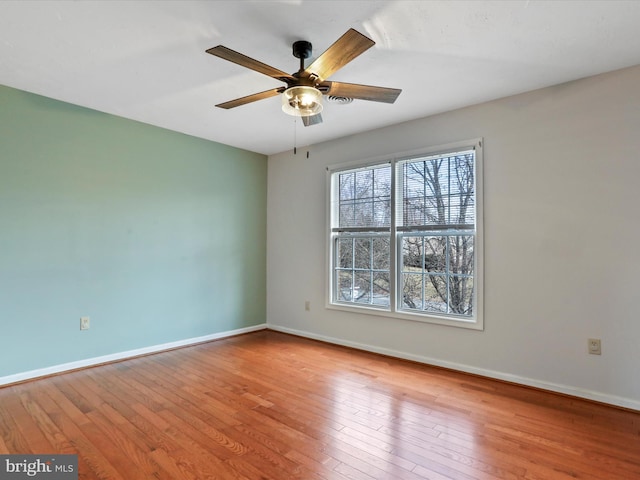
(476, 321)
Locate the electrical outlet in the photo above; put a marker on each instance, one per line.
(594, 346)
(307, 305)
(84, 323)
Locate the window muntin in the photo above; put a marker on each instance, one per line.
(405, 236)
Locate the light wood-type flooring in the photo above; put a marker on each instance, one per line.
(267, 405)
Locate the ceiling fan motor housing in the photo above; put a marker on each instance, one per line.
(301, 49)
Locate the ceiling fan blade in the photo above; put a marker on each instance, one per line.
(361, 92)
(312, 120)
(250, 98)
(248, 62)
(345, 49)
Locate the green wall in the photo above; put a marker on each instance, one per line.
(155, 235)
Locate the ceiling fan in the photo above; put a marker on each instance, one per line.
(302, 95)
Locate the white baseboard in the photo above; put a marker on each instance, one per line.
(553, 387)
(65, 367)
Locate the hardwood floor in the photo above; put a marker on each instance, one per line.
(271, 406)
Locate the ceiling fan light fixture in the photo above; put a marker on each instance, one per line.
(302, 101)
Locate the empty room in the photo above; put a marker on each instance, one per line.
(319, 240)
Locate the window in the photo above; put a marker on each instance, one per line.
(404, 236)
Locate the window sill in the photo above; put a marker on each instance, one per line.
(472, 324)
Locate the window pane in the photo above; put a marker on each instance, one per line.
(435, 293)
(461, 254)
(462, 180)
(364, 184)
(381, 213)
(345, 283)
(347, 190)
(424, 253)
(381, 253)
(363, 253)
(346, 214)
(435, 255)
(363, 213)
(412, 254)
(381, 288)
(345, 252)
(436, 210)
(412, 290)
(414, 211)
(461, 295)
(362, 287)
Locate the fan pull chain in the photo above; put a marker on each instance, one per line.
(295, 137)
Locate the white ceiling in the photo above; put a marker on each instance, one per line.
(146, 60)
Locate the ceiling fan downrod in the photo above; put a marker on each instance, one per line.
(302, 50)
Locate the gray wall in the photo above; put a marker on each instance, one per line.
(561, 236)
